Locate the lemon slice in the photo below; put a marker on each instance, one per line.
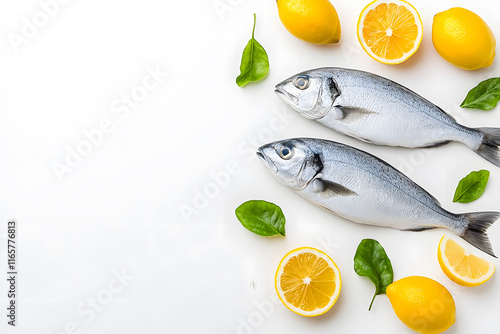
(462, 267)
(390, 31)
(308, 281)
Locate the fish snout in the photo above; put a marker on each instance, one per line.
(264, 158)
(285, 95)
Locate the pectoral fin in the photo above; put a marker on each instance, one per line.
(337, 113)
(351, 114)
(332, 189)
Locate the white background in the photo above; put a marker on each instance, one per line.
(117, 213)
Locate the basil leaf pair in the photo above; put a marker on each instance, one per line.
(484, 96)
(254, 61)
(471, 187)
(261, 217)
(371, 261)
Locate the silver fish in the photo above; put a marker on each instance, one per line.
(363, 188)
(380, 111)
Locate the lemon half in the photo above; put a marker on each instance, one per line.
(307, 281)
(390, 31)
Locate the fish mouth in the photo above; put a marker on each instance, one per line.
(285, 96)
(266, 161)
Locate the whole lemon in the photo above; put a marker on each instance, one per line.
(422, 304)
(462, 38)
(314, 21)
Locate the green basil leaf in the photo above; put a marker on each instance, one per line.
(261, 217)
(254, 61)
(484, 96)
(371, 261)
(471, 187)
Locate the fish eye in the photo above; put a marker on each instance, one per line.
(302, 82)
(285, 151)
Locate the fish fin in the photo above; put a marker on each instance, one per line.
(419, 229)
(364, 140)
(338, 114)
(437, 144)
(432, 196)
(475, 234)
(331, 189)
(352, 114)
(490, 147)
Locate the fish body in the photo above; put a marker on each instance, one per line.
(363, 188)
(380, 111)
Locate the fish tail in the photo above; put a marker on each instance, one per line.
(475, 233)
(490, 147)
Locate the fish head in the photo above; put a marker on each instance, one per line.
(291, 161)
(311, 93)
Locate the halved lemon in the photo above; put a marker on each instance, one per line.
(461, 266)
(308, 281)
(390, 31)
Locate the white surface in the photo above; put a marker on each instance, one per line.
(119, 208)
